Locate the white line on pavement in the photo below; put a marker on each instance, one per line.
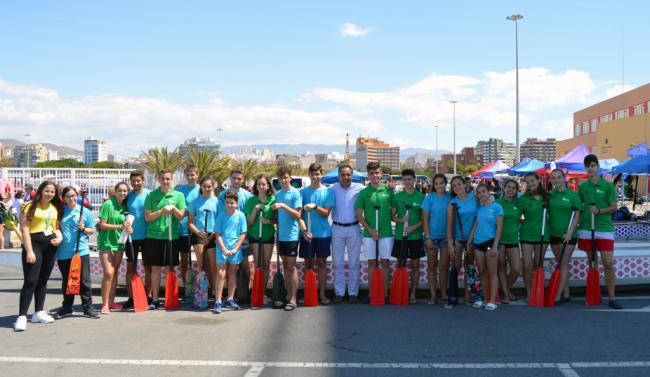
(567, 371)
(254, 371)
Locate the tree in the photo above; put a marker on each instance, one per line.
(209, 164)
(160, 158)
(65, 163)
(251, 169)
(104, 165)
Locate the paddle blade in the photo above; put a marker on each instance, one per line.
(201, 291)
(74, 276)
(377, 288)
(171, 291)
(536, 298)
(394, 295)
(311, 290)
(139, 294)
(242, 291)
(452, 291)
(279, 291)
(593, 287)
(190, 282)
(551, 290)
(257, 297)
(404, 288)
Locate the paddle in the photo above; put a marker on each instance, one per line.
(310, 290)
(471, 281)
(138, 291)
(279, 288)
(257, 299)
(201, 285)
(536, 298)
(452, 291)
(377, 297)
(593, 277)
(171, 282)
(74, 275)
(399, 285)
(554, 281)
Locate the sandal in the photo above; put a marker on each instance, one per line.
(290, 307)
(413, 301)
(505, 301)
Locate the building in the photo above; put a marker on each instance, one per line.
(199, 144)
(374, 150)
(543, 150)
(466, 156)
(496, 149)
(30, 155)
(329, 160)
(94, 150)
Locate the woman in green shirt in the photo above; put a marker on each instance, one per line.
(532, 204)
(259, 216)
(508, 273)
(112, 221)
(562, 203)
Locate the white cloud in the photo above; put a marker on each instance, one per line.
(349, 29)
(618, 89)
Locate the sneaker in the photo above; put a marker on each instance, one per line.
(448, 306)
(217, 307)
(115, 306)
(65, 311)
(153, 305)
(149, 300)
(42, 317)
(21, 323)
(128, 305)
(615, 305)
(91, 312)
(477, 304)
(231, 304)
(491, 307)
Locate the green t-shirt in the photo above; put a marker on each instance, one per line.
(511, 221)
(155, 201)
(560, 205)
(267, 229)
(399, 202)
(113, 213)
(603, 194)
(367, 199)
(531, 228)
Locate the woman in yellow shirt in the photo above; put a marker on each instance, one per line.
(41, 237)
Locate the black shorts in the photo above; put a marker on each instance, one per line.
(533, 242)
(254, 241)
(320, 247)
(138, 247)
(558, 241)
(414, 249)
(484, 246)
(156, 253)
(183, 244)
(510, 245)
(288, 248)
(197, 241)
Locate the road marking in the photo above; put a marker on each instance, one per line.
(254, 371)
(645, 309)
(567, 371)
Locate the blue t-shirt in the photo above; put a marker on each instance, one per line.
(230, 227)
(198, 207)
(69, 231)
(190, 194)
(436, 207)
(486, 222)
(135, 205)
(288, 228)
(467, 211)
(243, 196)
(323, 197)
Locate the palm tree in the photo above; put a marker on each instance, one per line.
(160, 158)
(209, 164)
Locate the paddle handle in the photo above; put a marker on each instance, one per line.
(377, 240)
(594, 254)
(81, 214)
(169, 239)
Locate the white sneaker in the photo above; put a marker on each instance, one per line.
(477, 304)
(21, 323)
(42, 317)
(491, 306)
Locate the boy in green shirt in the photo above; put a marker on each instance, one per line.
(158, 205)
(599, 198)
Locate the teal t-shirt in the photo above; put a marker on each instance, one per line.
(190, 194)
(467, 210)
(230, 227)
(434, 207)
(242, 196)
(198, 209)
(288, 227)
(486, 222)
(135, 205)
(69, 231)
(323, 197)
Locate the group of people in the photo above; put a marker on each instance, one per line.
(463, 227)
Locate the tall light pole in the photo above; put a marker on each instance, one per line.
(436, 149)
(219, 133)
(515, 18)
(29, 154)
(454, 102)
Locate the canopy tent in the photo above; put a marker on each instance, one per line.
(332, 176)
(574, 157)
(606, 165)
(486, 166)
(638, 165)
(639, 150)
(496, 167)
(525, 166)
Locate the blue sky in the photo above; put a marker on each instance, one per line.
(159, 72)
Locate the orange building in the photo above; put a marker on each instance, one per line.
(375, 150)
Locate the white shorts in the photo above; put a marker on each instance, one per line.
(385, 247)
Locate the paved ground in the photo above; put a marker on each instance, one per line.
(345, 340)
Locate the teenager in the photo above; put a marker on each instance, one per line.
(376, 194)
(346, 235)
(405, 212)
(40, 228)
(466, 205)
(158, 205)
(509, 255)
(434, 226)
(599, 199)
(532, 203)
(485, 236)
(112, 221)
(191, 191)
(259, 213)
(75, 225)
(201, 208)
(317, 202)
(135, 205)
(288, 203)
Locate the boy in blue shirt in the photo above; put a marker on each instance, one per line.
(191, 191)
(135, 205)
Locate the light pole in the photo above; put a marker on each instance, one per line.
(454, 102)
(436, 149)
(28, 149)
(219, 132)
(515, 18)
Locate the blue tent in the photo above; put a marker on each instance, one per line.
(332, 177)
(606, 166)
(638, 165)
(525, 166)
(639, 150)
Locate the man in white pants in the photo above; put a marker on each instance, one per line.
(346, 234)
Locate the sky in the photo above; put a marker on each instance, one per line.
(154, 73)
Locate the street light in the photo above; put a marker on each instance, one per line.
(454, 102)
(515, 18)
(219, 131)
(28, 151)
(436, 127)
